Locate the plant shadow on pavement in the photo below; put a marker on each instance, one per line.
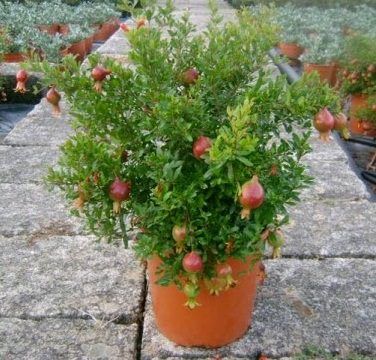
(317, 353)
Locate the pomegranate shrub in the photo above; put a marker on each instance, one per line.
(195, 126)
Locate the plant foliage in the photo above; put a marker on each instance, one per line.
(257, 123)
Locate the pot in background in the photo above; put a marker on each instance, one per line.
(78, 49)
(14, 57)
(356, 125)
(106, 30)
(49, 29)
(327, 72)
(64, 29)
(89, 44)
(291, 50)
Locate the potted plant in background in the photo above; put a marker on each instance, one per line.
(292, 21)
(80, 40)
(359, 80)
(321, 56)
(367, 116)
(186, 146)
(12, 47)
(102, 16)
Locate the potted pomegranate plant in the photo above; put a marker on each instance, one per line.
(322, 55)
(291, 21)
(358, 82)
(13, 47)
(185, 147)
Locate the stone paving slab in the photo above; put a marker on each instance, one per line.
(331, 229)
(330, 304)
(31, 209)
(333, 180)
(69, 277)
(322, 151)
(118, 44)
(25, 163)
(54, 339)
(41, 128)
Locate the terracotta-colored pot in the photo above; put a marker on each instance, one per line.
(64, 52)
(219, 320)
(356, 125)
(64, 29)
(14, 57)
(78, 49)
(49, 29)
(291, 50)
(105, 30)
(369, 128)
(89, 44)
(328, 73)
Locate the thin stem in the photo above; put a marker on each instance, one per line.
(123, 229)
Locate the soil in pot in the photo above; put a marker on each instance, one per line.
(327, 72)
(291, 50)
(219, 320)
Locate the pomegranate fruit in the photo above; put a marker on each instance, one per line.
(274, 170)
(125, 27)
(53, 97)
(324, 123)
(21, 78)
(118, 192)
(79, 202)
(201, 146)
(191, 291)
(340, 124)
(190, 76)
(179, 233)
(251, 197)
(141, 22)
(224, 272)
(371, 68)
(192, 262)
(99, 73)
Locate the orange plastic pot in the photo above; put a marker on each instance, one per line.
(78, 49)
(219, 320)
(369, 129)
(89, 44)
(291, 50)
(328, 72)
(64, 29)
(105, 30)
(14, 57)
